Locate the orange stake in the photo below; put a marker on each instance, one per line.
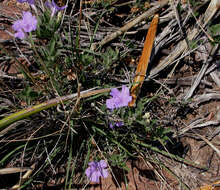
(144, 60)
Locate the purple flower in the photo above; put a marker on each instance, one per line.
(119, 99)
(53, 7)
(118, 124)
(27, 24)
(96, 170)
(31, 2)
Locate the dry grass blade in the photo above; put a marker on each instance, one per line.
(201, 73)
(210, 144)
(144, 60)
(12, 170)
(24, 178)
(204, 98)
(197, 81)
(197, 124)
(211, 10)
(215, 77)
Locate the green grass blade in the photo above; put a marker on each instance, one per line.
(45, 105)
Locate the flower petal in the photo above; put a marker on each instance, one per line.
(119, 98)
(119, 123)
(95, 177)
(88, 172)
(31, 2)
(29, 22)
(17, 25)
(111, 126)
(20, 34)
(104, 173)
(96, 170)
(114, 92)
(103, 164)
(110, 103)
(21, 1)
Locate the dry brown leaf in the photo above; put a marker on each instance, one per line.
(144, 60)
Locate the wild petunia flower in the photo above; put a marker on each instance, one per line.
(53, 7)
(96, 170)
(118, 124)
(31, 2)
(119, 99)
(28, 23)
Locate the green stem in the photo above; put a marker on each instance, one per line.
(42, 62)
(45, 105)
(35, 51)
(172, 156)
